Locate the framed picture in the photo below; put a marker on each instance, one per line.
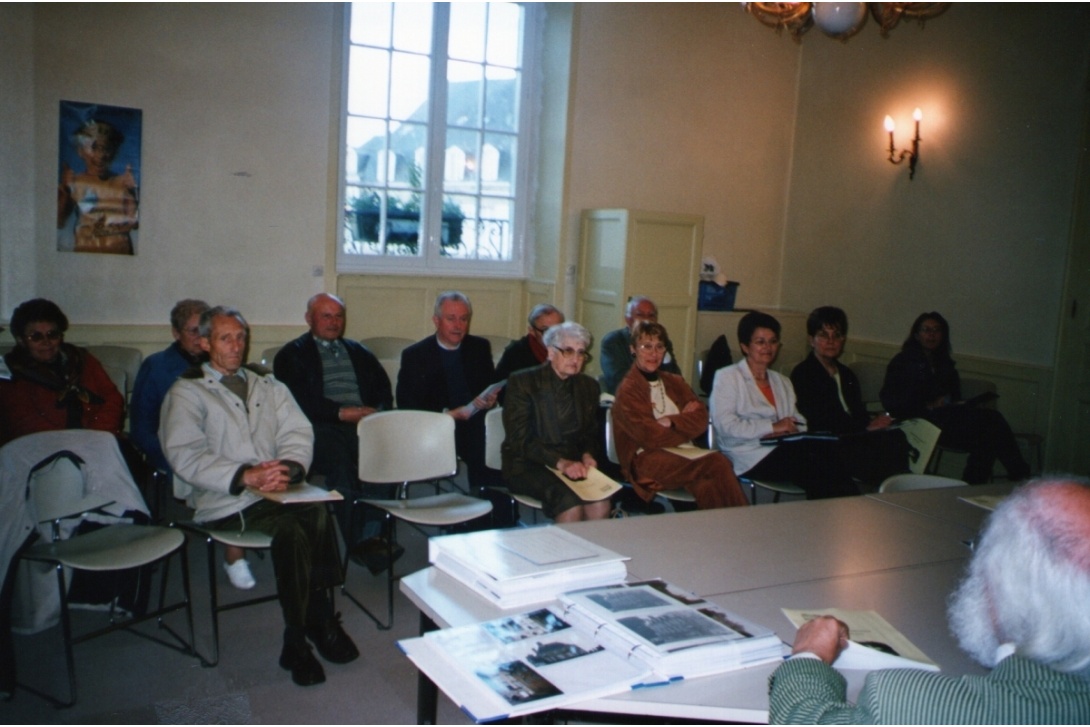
(98, 193)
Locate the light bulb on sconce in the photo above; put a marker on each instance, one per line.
(912, 154)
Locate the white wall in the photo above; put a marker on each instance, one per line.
(18, 271)
(981, 233)
(235, 161)
(687, 108)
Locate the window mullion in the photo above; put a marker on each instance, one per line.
(437, 134)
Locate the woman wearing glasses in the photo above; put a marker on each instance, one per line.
(922, 381)
(655, 410)
(550, 417)
(54, 385)
(751, 403)
(830, 398)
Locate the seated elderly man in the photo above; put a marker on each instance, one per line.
(337, 382)
(449, 372)
(530, 350)
(617, 356)
(1020, 610)
(230, 432)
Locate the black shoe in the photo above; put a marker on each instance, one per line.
(332, 642)
(297, 657)
(374, 554)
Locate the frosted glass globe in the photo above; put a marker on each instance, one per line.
(839, 20)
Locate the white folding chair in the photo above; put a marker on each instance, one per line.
(249, 540)
(494, 434)
(678, 495)
(776, 488)
(902, 483)
(401, 447)
(122, 363)
(56, 493)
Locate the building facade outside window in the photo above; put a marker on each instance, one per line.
(439, 132)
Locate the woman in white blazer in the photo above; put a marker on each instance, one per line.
(750, 402)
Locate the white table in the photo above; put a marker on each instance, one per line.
(855, 553)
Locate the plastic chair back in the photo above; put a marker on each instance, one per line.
(498, 344)
(494, 434)
(611, 444)
(122, 363)
(57, 490)
(871, 375)
(903, 483)
(406, 446)
(268, 355)
(387, 346)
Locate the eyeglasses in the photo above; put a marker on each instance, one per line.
(930, 329)
(38, 336)
(649, 347)
(540, 331)
(569, 353)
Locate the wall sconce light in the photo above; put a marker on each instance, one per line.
(913, 154)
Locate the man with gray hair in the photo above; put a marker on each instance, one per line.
(449, 372)
(232, 434)
(1021, 610)
(530, 350)
(616, 346)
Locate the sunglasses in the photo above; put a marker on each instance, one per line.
(38, 336)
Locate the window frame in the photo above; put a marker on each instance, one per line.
(431, 262)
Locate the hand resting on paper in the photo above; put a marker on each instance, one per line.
(825, 637)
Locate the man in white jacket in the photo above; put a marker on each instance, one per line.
(230, 431)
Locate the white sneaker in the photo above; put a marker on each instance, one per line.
(239, 574)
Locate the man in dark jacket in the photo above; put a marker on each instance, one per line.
(336, 382)
(449, 372)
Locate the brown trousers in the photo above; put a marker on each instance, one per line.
(710, 479)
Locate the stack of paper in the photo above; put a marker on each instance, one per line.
(525, 566)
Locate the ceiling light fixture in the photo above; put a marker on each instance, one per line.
(839, 20)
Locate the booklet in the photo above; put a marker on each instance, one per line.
(875, 643)
(302, 492)
(597, 642)
(595, 486)
(488, 391)
(689, 451)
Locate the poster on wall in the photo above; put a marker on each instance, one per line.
(98, 196)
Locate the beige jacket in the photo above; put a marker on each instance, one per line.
(207, 435)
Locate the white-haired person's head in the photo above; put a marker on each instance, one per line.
(1028, 582)
(568, 334)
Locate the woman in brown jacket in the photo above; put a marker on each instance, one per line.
(655, 417)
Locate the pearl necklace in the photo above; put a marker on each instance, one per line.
(658, 406)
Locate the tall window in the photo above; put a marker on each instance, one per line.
(436, 137)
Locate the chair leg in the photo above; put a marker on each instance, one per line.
(66, 628)
(69, 655)
(214, 600)
(390, 533)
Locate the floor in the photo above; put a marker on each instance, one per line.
(123, 679)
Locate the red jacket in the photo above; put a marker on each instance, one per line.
(27, 407)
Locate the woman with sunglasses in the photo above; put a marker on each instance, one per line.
(656, 412)
(550, 419)
(54, 385)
